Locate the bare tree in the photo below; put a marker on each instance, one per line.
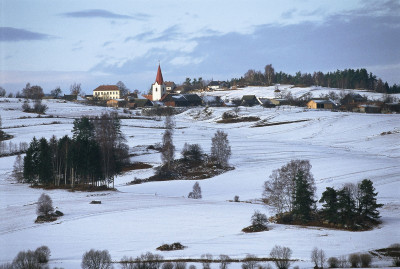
(42, 254)
(18, 169)
(281, 256)
(44, 205)
(318, 257)
(224, 261)
(196, 193)
(56, 92)
(259, 219)
(75, 89)
(26, 259)
(269, 73)
(32, 92)
(168, 148)
(207, 259)
(96, 259)
(122, 88)
(220, 148)
(279, 189)
(2, 92)
(250, 262)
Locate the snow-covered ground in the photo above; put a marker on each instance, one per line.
(342, 147)
(268, 92)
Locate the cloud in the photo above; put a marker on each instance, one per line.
(100, 13)
(10, 34)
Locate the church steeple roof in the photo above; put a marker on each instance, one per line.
(159, 78)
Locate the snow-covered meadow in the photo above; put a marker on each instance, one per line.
(342, 147)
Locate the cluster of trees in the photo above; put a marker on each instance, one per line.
(192, 84)
(220, 150)
(290, 191)
(345, 79)
(36, 259)
(94, 155)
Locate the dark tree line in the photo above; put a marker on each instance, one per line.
(344, 79)
(94, 155)
(290, 191)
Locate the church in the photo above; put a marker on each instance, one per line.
(158, 88)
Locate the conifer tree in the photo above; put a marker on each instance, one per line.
(367, 204)
(303, 202)
(330, 207)
(45, 165)
(346, 207)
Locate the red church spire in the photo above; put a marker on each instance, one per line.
(159, 78)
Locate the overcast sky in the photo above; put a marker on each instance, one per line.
(56, 43)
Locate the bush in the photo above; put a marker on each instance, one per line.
(196, 193)
(180, 265)
(44, 205)
(192, 266)
(259, 219)
(365, 260)
(168, 265)
(333, 262)
(94, 259)
(236, 199)
(174, 246)
(192, 152)
(249, 262)
(228, 115)
(354, 260)
(26, 259)
(224, 261)
(42, 254)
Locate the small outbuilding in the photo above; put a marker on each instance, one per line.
(320, 104)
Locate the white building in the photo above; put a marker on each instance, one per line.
(158, 87)
(106, 92)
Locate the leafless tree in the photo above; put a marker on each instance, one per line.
(44, 205)
(42, 254)
(122, 88)
(96, 259)
(250, 262)
(279, 189)
(75, 89)
(26, 259)
(269, 73)
(196, 193)
(167, 265)
(224, 261)
(220, 148)
(259, 219)
(33, 92)
(281, 256)
(180, 265)
(2, 92)
(318, 257)
(207, 258)
(18, 169)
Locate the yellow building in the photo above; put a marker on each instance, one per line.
(106, 92)
(320, 104)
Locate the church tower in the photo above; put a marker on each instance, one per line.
(158, 87)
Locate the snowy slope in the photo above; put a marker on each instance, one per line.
(342, 147)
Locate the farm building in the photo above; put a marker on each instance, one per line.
(320, 104)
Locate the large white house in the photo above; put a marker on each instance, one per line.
(106, 92)
(158, 87)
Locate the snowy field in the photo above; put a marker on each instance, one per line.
(342, 148)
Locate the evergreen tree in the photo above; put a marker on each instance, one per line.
(31, 161)
(45, 165)
(367, 204)
(330, 207)
(346, 207)
(303, 202)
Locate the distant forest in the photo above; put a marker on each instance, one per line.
(344, 79)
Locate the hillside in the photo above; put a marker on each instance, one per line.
(342, 148)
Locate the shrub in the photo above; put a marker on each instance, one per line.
(44, 205)
(196, 193)
(249, 262)
(192, 152)
(236, 198)
(365, 259)
(94, 259)
(174, 246)
(42, 254)
(26, 259)
(354, 260)
(207, 258)
(281, 256)
(180, 265)
(228, 115)
(192, 266)
(333, 262)
(259, 219)
(167, 265)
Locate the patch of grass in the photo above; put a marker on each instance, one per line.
(239, 119)
(136, 166)
(265, 124)
(171, 247)
(255, 229)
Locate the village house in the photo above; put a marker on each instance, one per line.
(250, 100)
(170, 86)
(106, 92)
(182, 100)
(320, 104)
